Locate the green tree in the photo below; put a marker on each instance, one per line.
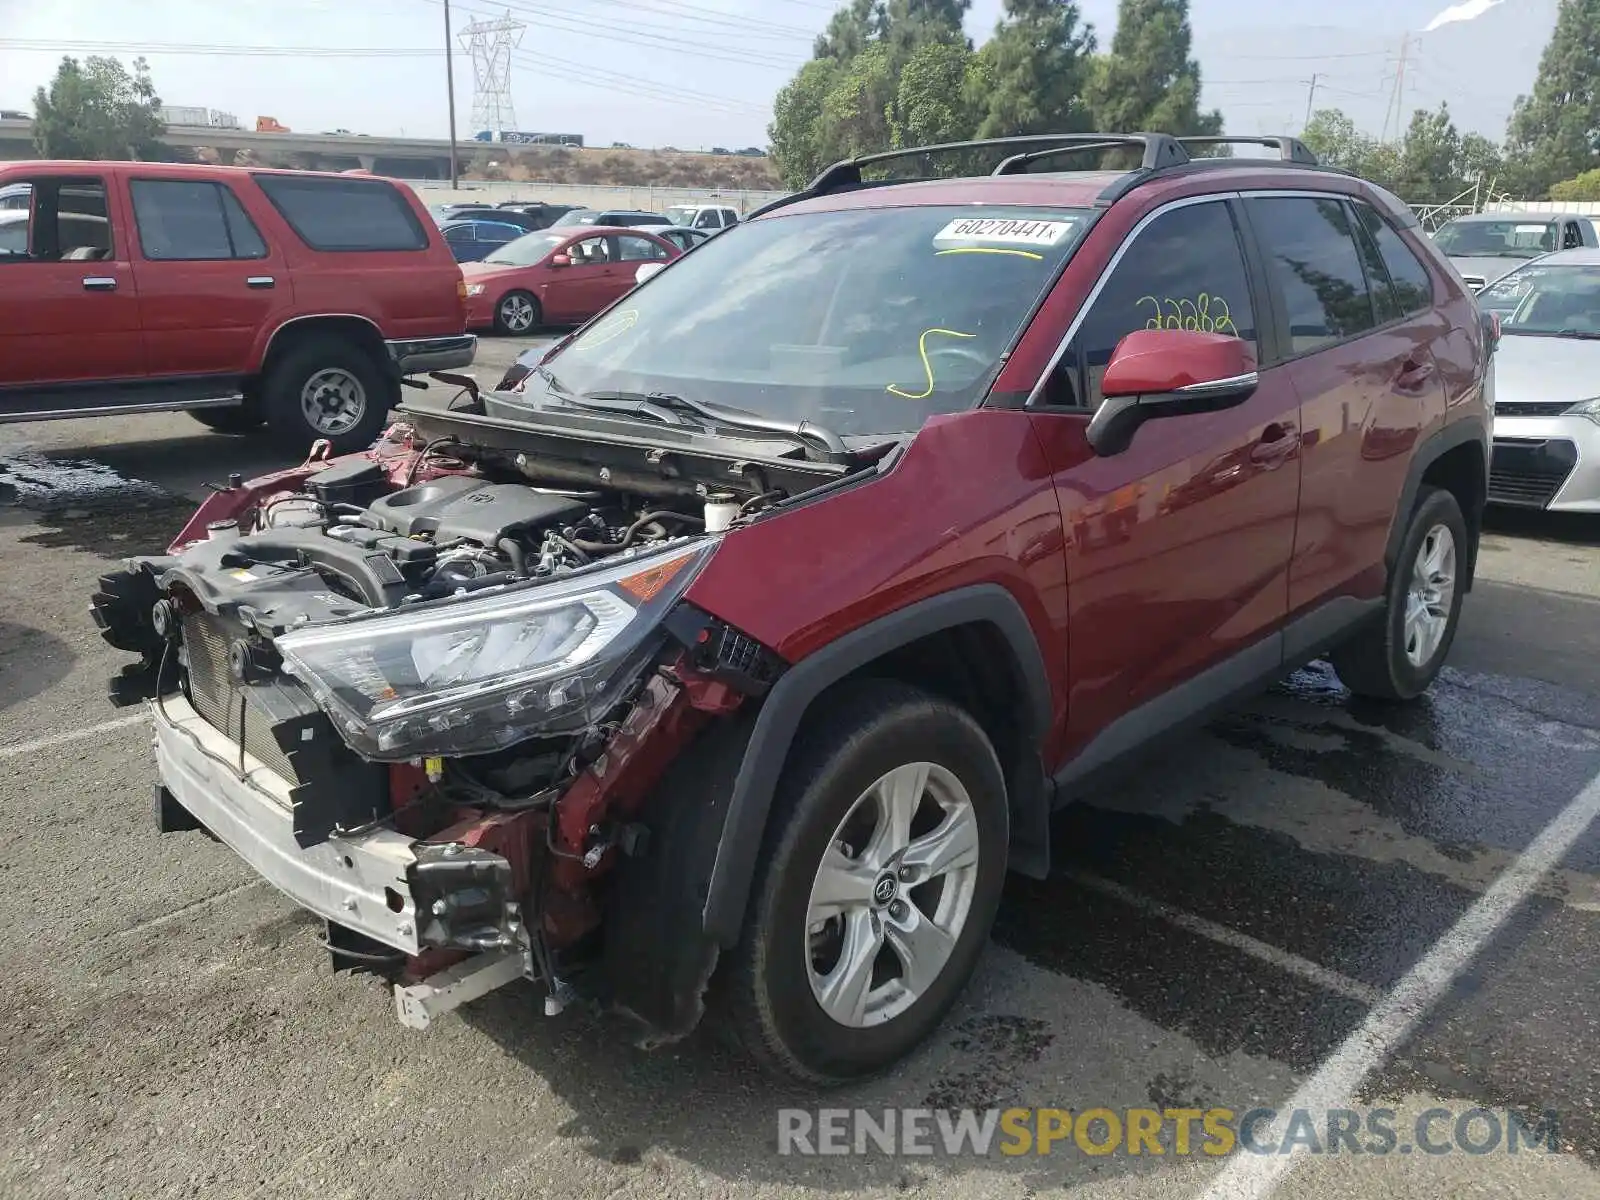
(96, 109)
(1581, 187)
(1555, 132)
(1334, 139)
(850, 29)
(856, 110)
(1430, 158)
(1149, 81)
(796, 130)
(1030, 76)
(908, 25)
(930, 104)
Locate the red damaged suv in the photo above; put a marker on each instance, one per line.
(727, 657)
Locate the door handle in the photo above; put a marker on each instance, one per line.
(99, 283)
(1276, 443)
(1413, 375)
(259, 281)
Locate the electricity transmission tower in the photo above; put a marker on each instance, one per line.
(490, 44)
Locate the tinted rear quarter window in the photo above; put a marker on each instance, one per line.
(345, 214)
(1413, 286)
(1313, 262)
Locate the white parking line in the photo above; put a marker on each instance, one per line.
(57, 739)
(1333, 981)
(1254, 1177)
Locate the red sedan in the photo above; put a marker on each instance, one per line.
(557, 276)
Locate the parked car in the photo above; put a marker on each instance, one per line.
(558, 276)
(729, 655)
(1485, 246)
(611, 217)
(683, 238)
(713, 218)
(15, 196)
(472, 240)
(1547, 384)
(289, 298)
(525, 220)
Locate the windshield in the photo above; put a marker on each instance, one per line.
(866, 321)
(682, 214)
(527, 250)
(1512, 238)
(1548, 299)
(578, 216)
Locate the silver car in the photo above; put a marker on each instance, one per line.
(1484, 247)
(1547, 384)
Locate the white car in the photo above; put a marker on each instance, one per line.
(1547, 384)
(713, 218)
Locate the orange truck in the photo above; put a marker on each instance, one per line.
(270, 125)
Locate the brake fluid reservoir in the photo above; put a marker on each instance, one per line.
(721, 509)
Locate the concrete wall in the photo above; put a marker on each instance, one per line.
(647, 199)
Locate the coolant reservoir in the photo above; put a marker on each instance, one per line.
(721, 510)
(290, 511)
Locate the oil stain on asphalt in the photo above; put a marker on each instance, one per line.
(85, 505)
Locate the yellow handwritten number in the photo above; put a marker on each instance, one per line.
(1203, 313)
(927, 367)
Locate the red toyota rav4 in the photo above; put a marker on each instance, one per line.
(245, 296)
(729, 656)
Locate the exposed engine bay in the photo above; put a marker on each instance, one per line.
(455, 642)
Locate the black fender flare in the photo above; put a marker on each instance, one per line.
(1469, 428)
(786, 705)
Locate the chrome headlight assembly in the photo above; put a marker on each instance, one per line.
(470, 676)
(1586, 408)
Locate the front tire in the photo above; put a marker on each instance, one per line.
(877, 886)
(1399, 657)
(327, 387)
(517, 314)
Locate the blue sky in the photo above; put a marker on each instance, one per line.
(698, 73)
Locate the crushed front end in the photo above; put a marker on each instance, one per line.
(427, 697)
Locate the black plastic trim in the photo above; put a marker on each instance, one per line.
(1191, 702)
(1458, 433)
(793, 694)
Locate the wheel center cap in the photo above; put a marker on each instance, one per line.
(885, 889)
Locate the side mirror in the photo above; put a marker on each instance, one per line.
(647, 270)
(1157, 373)
(560, 260)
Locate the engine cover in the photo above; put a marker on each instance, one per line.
(455, 507)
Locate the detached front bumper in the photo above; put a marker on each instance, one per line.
(1550, 463)
(417, 356)
(360, 883)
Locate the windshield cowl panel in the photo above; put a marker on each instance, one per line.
(863, 321)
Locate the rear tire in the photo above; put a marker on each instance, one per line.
(241, 419)
(517, 314)
(1398, 657)
(327, 387)
(840, 898)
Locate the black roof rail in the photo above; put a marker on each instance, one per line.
(1160, 150)
(1289, 149)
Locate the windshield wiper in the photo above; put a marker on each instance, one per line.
(733, 418)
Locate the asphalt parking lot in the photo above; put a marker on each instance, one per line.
(1217, 927)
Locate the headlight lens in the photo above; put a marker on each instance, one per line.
(472, 676)
(1586, 408)
(475, 289)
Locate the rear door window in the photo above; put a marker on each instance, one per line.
(343, 215)
(1312, 260)
(181, 220)
(639, 249)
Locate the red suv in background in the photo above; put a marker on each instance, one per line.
(246, 296)
(730, 653)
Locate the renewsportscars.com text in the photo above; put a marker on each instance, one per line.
(1179, 1132)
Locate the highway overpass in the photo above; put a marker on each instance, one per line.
(410, 158)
